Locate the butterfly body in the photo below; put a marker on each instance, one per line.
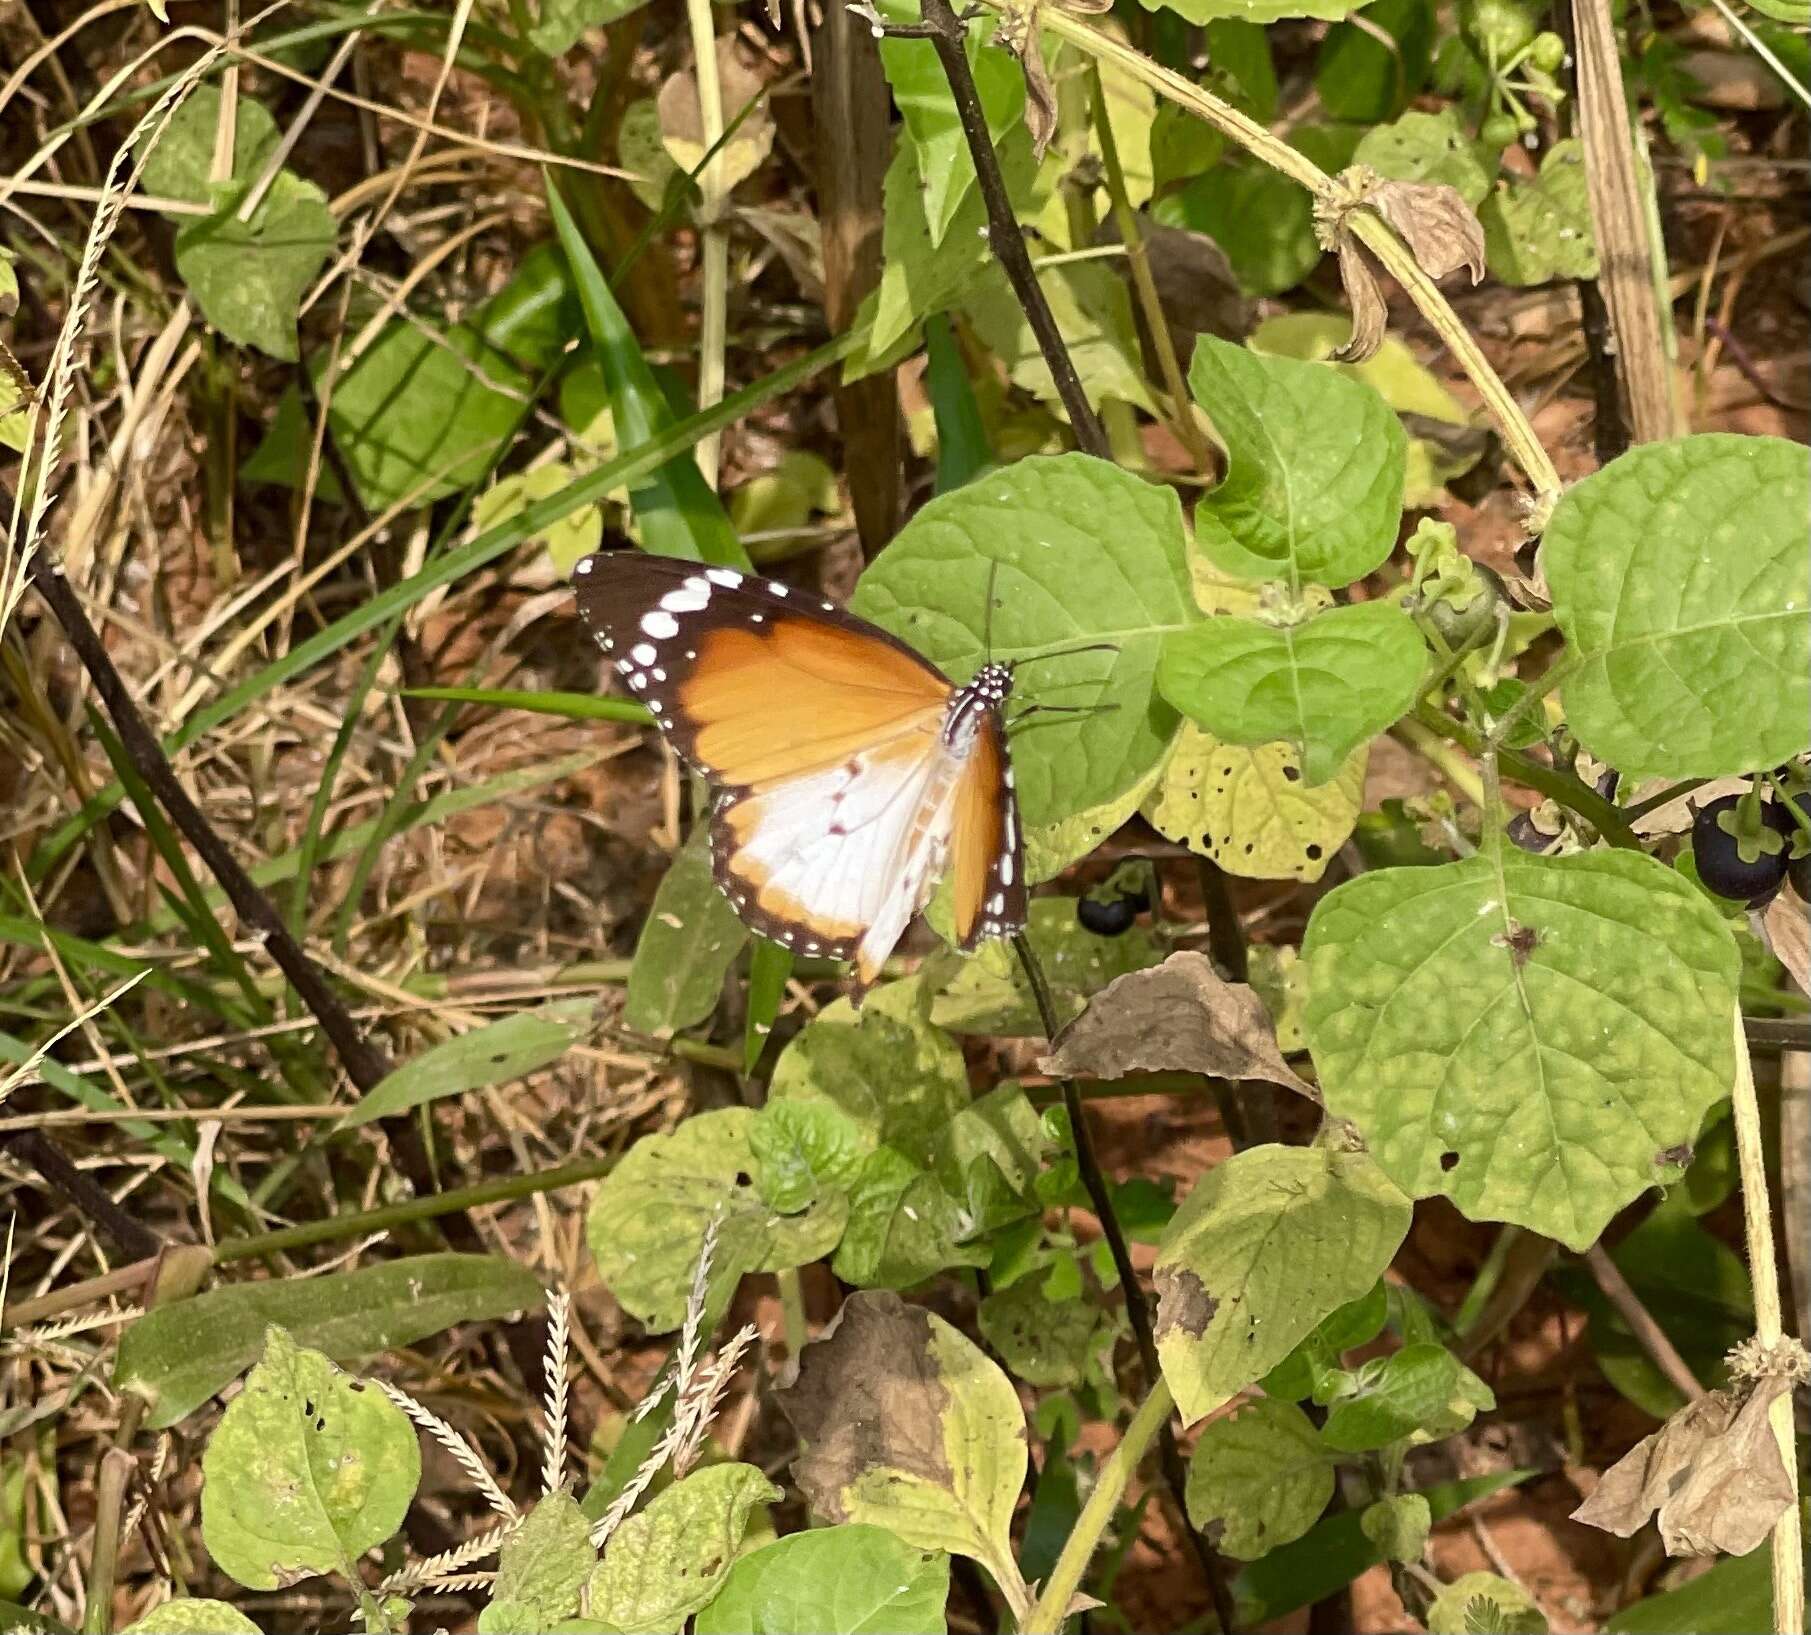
(851, 774)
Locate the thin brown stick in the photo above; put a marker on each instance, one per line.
(1652, 1336)
(131, 1237)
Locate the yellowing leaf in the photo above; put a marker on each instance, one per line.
(682, 122)
(575, 535)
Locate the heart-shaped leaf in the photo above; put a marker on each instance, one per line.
(850, 1580)
(1258, 1478)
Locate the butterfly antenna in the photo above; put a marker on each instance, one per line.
(987, 616)
(1069, 652)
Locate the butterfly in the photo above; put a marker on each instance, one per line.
(851, 774)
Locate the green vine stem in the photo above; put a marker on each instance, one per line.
(1370, 229)
(1046, 1618)
(1757, 1220)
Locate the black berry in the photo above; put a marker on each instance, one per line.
(1109, 919)
(1718, 857)
(1798, 871)
(1523, 833)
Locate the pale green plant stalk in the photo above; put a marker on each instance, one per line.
(713, 328)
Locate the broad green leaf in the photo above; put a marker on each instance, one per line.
(1078, 552)
(903, 1226)
(945, 169)
(1258, 1478)
(540, 1570)
(1362, 77)
(307, 1471)
(641, 152)
(904, 1422)
(1678, 580)
(180, 1354)
(1484, 1604)
(1733, 1598)
(1261, 219)
(849, 1580)
(1398, 1526)
(687, 945)
(1250, 11)
(1093, 312)
(1045, 1342)
(887, 1067)
(800, 485)
(1538, 231)
(179, 166)
(1264, 1247)
(1326, 687)
(999, 1133)
(989, 993)
(1302, 1373)
(572, 537)
(1531, 1036)
(648, 1219)
(1421, 1393)
(248, 278)
(1313, 489)
(678, 512)
(1249, 809)
(667, 1561)
(1432, 148)
(1051, 850)
(802, 1147)
(188, 1617)
(919, 275)
(559, 23)
(495, 1053)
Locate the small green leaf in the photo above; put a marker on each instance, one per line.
(1733, 1598)
(1261, 219)
(1398, 1526)
(989, 993)
(495, 1053)
(1249, 808)
(1303, 1372)
(191, 1617)
(687, 945)
(904, 1226)
(1326, 687)
(1258, 1478)
(802, 1147)
(667, 1561)
(1484, 1604)
(561, 22)
(1251, 11)
(1530, 1036)
(1538, 231)
(540, 1570)
(1045, 1341)
(905, 1423)
(575, 535)
(181, 163)
(1313, 489)
(307, 1471)
(850, 1580)
(1678, 581)
(182, 1353)
(1078, 552)
(1431, 148)
(1365, 78)
(1265, 1246)
(248, 278)
(1419, 1394)
(648, 1219)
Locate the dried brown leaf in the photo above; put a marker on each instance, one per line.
(1435, 222)
(1370, 317)
(682, 120)
(1180, 1015)
(1712, 1476)
(1018, 33)
(1786, 927)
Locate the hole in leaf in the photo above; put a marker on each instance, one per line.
(1449, 1160)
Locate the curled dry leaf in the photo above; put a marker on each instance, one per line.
(1180, 1015)
(1436, 223)
(1018, 33)
(1370, 317)
(1711, 1476)
(1786, 929)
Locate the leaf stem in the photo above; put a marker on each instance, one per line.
(1152, 1418)
(713, 323)
(1757, 1220)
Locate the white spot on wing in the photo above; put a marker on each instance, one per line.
(1006, 870)
(726, 577)
(661, 626)
(691, 597)
(643, 653)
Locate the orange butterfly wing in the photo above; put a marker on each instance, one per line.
(987, 866)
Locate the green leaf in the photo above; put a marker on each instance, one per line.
(1733, 1598)
(648, 1219)
(905, 1423)
(1678, 580)
(307, 1471)
(803, 1146)
(1261, 219)
(1303, 1372)
(667, 1561)
(850, 1580)
(1249, 809)
(248, 278)
(1398, 1526)
(1530, 1036)
(183, 1616)
(1538, 231)
(1313, 489)
(1326, 687)
(180, 165)
(1264, 1247)
(687, 945)
(180, 1354)
(1045, 1342)
(561, 22)
(1085, 553)
(1431, 148)
(540, 1570)
(1360, 77)
(1421, 1393)
(495, 1053)
(989, 993)
(934, 138)
(1258, 1478)
(904, 1226)
(568, 539)
(1484, 1604)
(1251, 11)
(678, 511)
